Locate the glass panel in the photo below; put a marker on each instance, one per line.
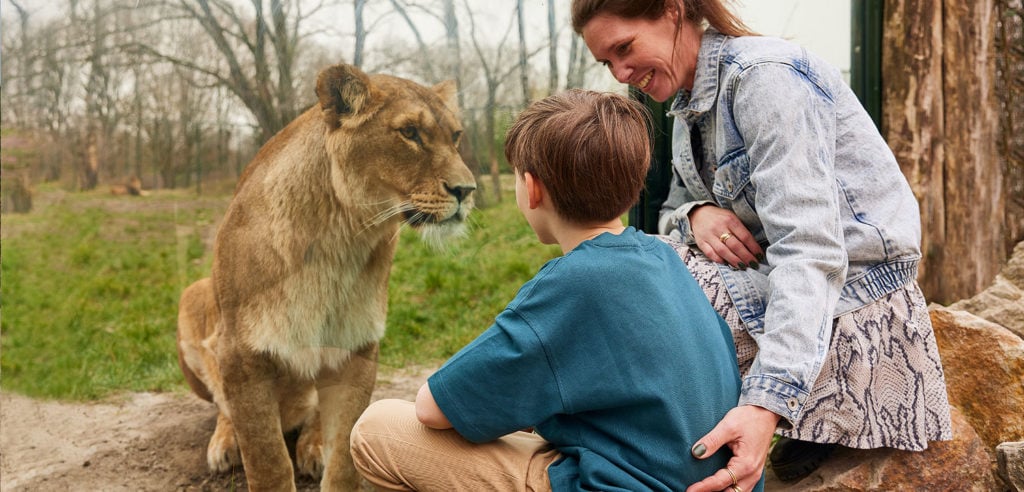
(821, 27)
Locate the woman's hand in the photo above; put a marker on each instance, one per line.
(723, 238)
(747, 430)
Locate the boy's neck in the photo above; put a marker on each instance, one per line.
(569, 236)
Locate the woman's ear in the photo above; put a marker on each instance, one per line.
(535, 191)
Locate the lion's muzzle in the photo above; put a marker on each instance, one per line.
(434, 210)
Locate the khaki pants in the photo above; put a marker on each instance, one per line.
(394, 451)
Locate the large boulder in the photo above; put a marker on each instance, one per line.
(984, 367)
(962, 464)
(1003, 302)
(1010, 456)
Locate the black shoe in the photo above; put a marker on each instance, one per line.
(793, 460)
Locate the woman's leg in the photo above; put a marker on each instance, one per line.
(394, 451)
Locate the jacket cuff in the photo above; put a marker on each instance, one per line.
(778, 397)
(680, 219)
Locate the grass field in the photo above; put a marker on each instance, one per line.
(90, 285)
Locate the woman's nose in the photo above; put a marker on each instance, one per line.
(621, 73)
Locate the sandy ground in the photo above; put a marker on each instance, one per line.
(142, 442)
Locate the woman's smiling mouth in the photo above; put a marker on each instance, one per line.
(642, 83)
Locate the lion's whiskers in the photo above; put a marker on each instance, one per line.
(386, 214)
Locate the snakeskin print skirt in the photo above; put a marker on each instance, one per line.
(882, 383)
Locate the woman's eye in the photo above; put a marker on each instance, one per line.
(412, 133)
(623, 48)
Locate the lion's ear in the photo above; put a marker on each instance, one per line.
(448, 91)
(342, 91)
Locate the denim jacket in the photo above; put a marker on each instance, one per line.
(786, 145)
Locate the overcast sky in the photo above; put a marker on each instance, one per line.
(821, 26)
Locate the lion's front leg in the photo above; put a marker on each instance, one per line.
(222, 451)
(344, 394)
(309, 456)
(250, 391)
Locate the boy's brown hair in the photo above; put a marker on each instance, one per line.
(591, 151)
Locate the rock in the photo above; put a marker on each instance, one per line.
(1010, 460)
(984, 368)
(961, 464)
(1002, 302)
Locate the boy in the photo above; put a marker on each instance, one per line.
(611, 352)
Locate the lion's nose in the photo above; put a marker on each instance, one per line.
(460, 192)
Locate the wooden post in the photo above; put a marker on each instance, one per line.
(975, 204)
(939, 117)
(912, 118)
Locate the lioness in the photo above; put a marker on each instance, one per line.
(284, 333)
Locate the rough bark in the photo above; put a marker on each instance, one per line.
(975, 205)
(940, 119)
(913, 121)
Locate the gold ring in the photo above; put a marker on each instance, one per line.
(725, 237)
(735, 488)
(732, 476)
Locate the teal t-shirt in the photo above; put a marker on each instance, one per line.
(614, 355)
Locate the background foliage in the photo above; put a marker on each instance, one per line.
(91, 284)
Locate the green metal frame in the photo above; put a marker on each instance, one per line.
(865, 79)
(866, 55)
(644, 215)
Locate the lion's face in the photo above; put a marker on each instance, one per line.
(397, 141)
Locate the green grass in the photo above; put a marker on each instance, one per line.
(440, 301)
(90, 286)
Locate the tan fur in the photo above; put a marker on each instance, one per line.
(132, 187)
(284, 333)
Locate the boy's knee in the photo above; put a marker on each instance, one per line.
(373, 438)
(379, 414)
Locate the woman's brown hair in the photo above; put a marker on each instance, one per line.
(590, 150)
(714, 12)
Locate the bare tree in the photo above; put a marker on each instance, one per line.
(258, 48)
(422, 51)
(577, 67)
(552, 50)
(360, 42)
(524, 68)
(493, 78)
(100, 102)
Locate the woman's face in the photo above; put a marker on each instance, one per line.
(647, 54)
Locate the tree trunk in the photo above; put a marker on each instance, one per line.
(490, 115)
(1010, 90)
(357, 55)
(552, 50)
(524, 67)
(91, 163)
(913, 121)
(940, 120)
(975, 205)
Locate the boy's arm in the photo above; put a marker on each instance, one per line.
(427, 411)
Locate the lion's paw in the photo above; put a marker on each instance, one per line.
(222, 453)
(309, 453)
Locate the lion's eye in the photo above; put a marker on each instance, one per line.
(456, 136)
(412, 133)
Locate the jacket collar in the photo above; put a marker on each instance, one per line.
(692, 104)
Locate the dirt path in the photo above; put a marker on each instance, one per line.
(147, 442)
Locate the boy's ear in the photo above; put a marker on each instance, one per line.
(534, 190)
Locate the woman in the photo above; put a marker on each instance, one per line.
(807, 236)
